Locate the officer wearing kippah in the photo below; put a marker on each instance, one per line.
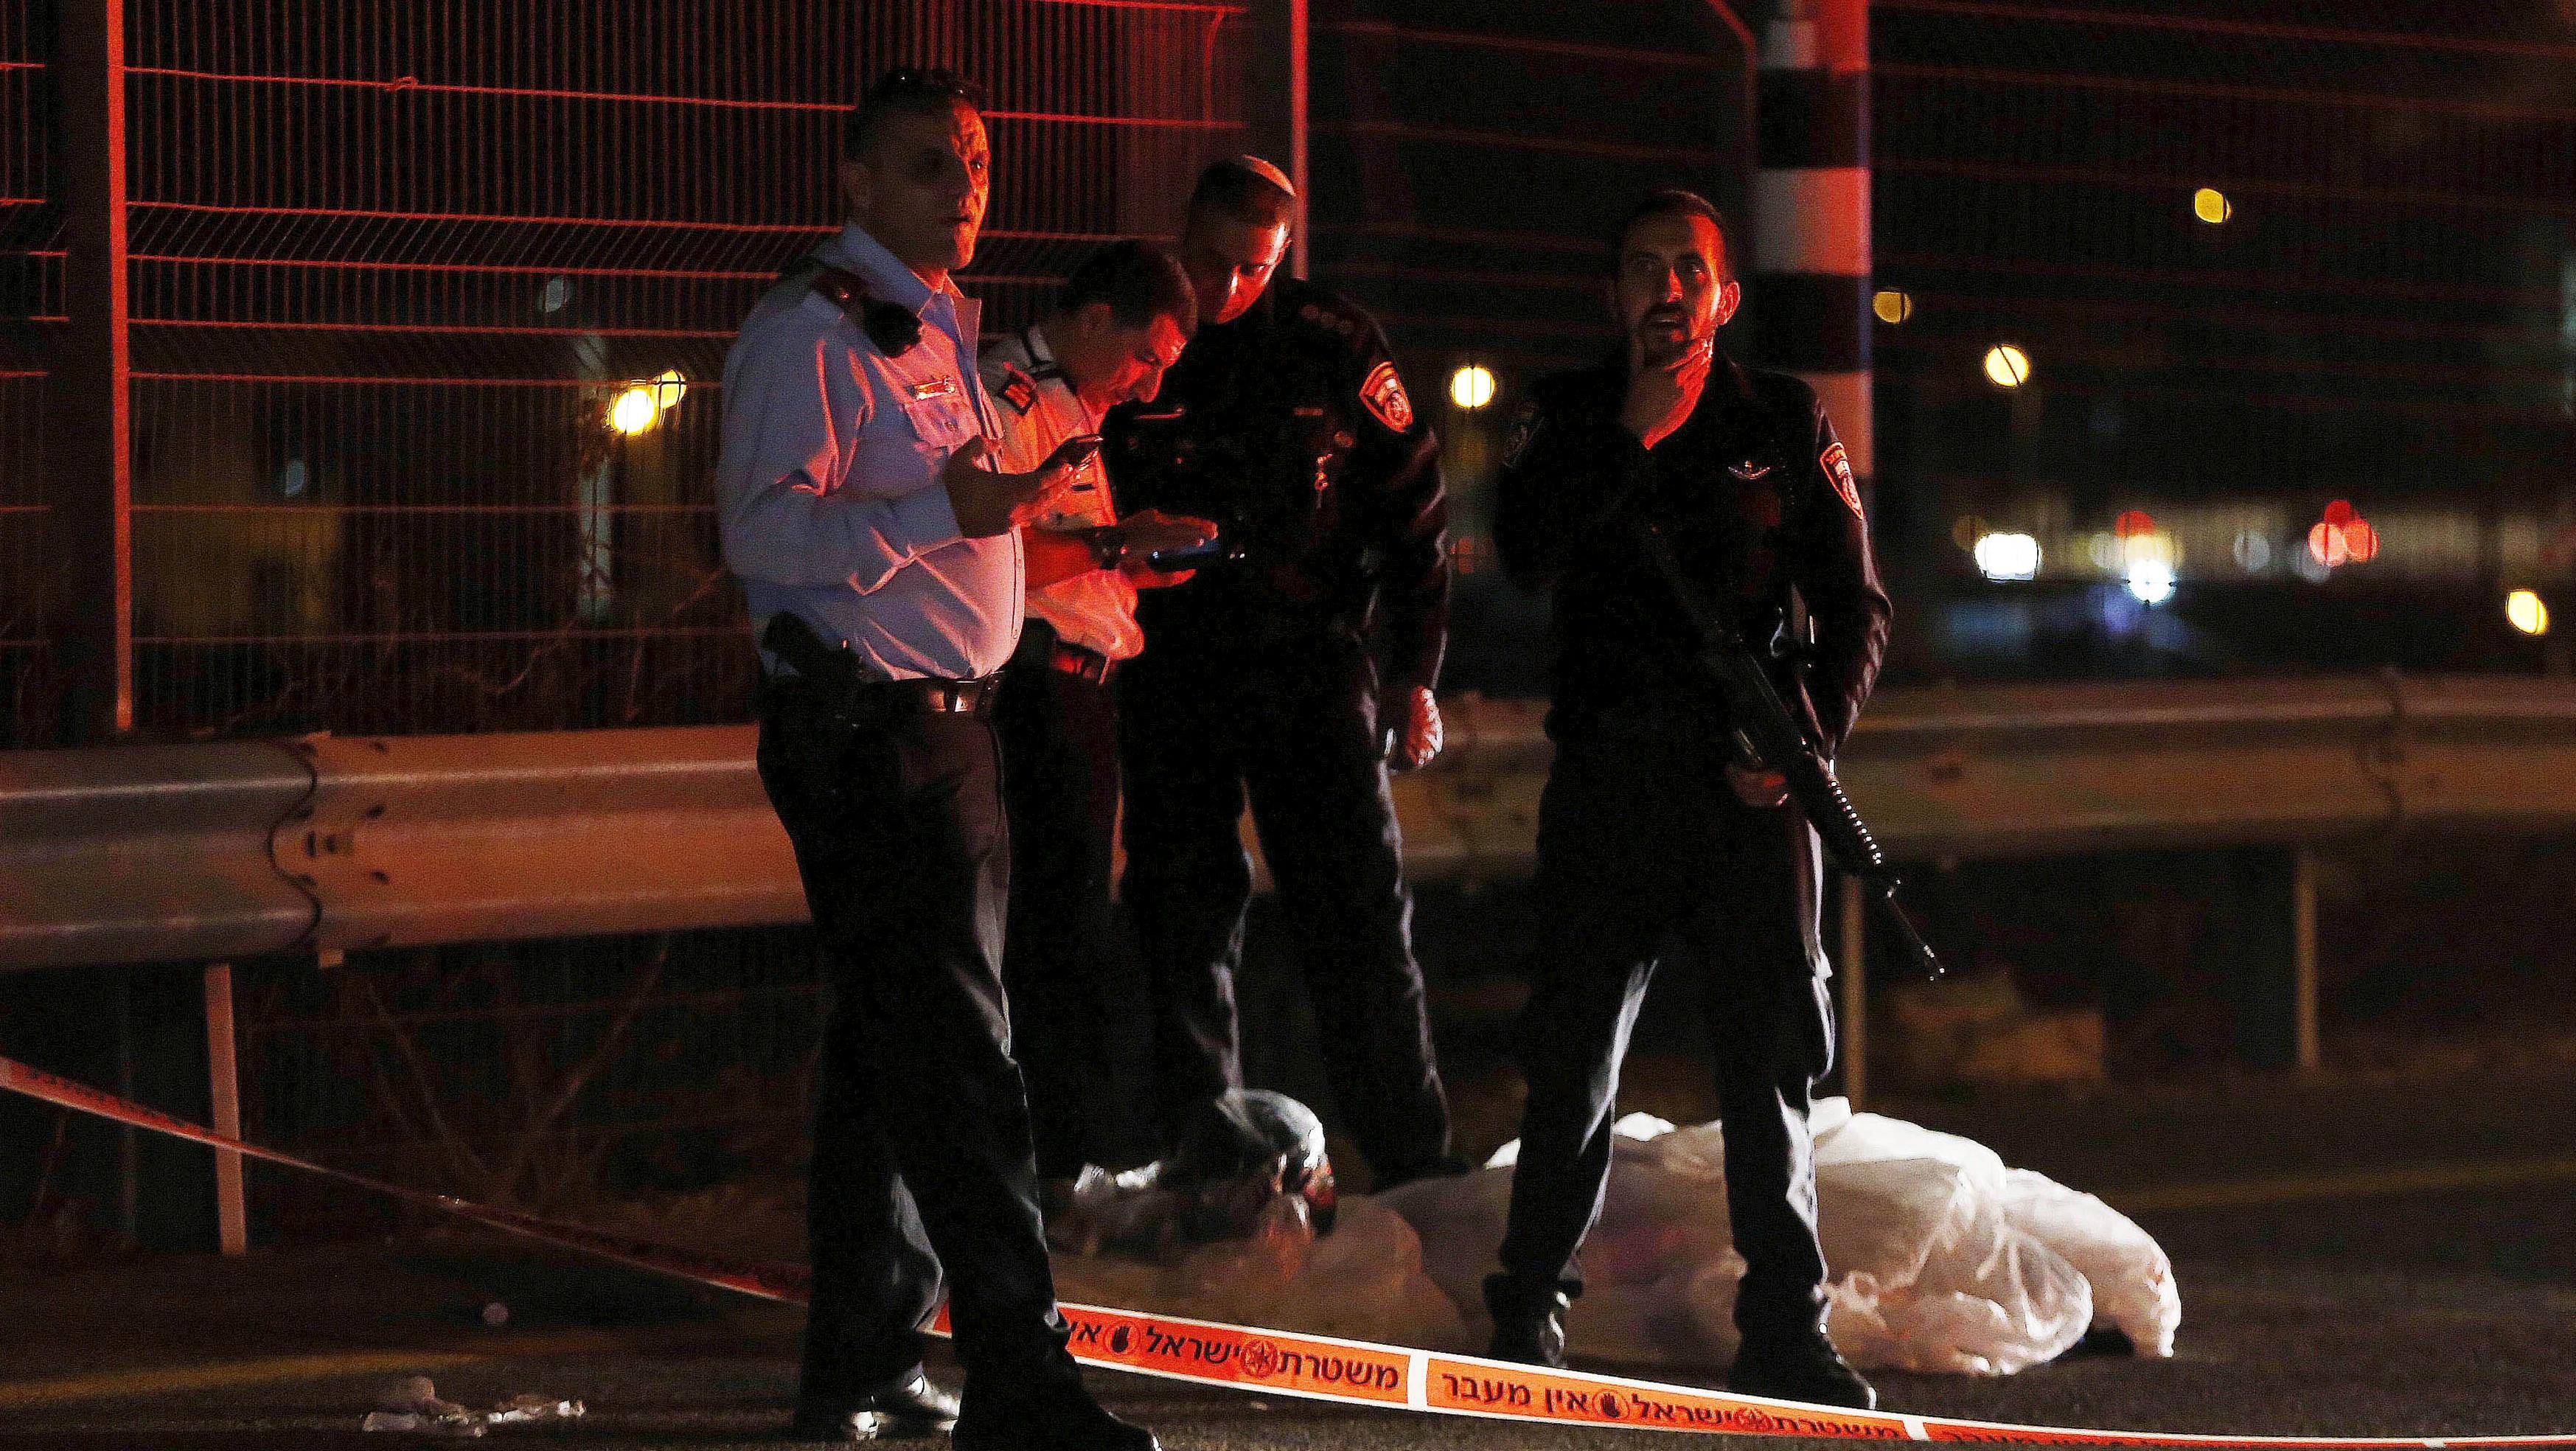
(1285, 421)
(1652, 833)
(878, 554)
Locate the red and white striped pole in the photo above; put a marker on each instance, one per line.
(1810, 289)
(1810, 297)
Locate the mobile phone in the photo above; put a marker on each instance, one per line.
(1215, 548)
(1074, 452)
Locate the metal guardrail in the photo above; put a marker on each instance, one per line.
(213, 852)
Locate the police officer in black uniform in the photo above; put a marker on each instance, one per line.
(1286, 423)
(1652, 831)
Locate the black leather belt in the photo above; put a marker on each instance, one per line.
(932, 697)
(832, 673)
(879, 699)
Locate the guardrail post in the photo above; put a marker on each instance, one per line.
(2266, 947)
(1855, 973)
(231, 1226)
(129, 1142)
(2303, 957)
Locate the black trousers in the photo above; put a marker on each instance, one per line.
(1293, 729)
(1641, 845)
(921, 1124)
(1059, 735)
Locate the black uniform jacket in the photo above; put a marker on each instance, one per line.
(1290, 427)
(1757, 497)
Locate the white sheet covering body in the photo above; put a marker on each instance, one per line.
(1942, 1258)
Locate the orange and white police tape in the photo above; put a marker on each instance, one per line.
(1276, 1362)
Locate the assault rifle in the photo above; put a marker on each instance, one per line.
(1769, 735)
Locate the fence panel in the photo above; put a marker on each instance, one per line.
(31, 270)
(394, 261)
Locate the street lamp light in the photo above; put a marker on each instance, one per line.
(2525, 610)
(634, 411)
(2007, 366)
(1472, 386)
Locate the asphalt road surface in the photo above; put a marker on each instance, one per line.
(2355, 1259)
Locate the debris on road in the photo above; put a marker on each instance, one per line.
(412, 1405)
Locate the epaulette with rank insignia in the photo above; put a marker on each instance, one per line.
(1323, 314)
(1019, 390)
(894, 329)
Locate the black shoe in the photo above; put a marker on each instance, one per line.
(1057, 1415)
(1799, 1367)
(1527, 1329)
(910, 1407)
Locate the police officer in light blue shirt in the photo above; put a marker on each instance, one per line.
(842, 462)
(875, 541)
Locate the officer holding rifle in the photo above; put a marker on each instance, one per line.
(1669, 459)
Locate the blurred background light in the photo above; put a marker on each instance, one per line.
(1891, 305)
(634, 411)
(2008, 556)
(2211, 205)
(641, 405)
(2007, 365)
(1471, 386)
(2527, 613)
(2342, 537)
(2151, 580)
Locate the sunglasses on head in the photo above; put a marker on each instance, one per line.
(911, 81)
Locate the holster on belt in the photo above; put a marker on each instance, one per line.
(832, 675)
(792, 640)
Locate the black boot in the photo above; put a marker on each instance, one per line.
(1050, 1414)
(909, 1407)
(1799, 1365)
(1527, 1328)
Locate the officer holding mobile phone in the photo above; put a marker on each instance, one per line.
(1121, 320)
(879, 557)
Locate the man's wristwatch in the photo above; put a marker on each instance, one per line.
(1108, 546)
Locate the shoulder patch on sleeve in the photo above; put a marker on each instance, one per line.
(1383, 393)
(1837, 465)
(1019, 390)
(1524, 428)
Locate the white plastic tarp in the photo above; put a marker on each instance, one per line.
(1942, 1259)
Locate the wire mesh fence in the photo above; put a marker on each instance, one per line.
(605, 1067)
(392, 264)
(30, 288)
(393, 261)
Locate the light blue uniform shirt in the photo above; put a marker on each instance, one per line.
(828, 491)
